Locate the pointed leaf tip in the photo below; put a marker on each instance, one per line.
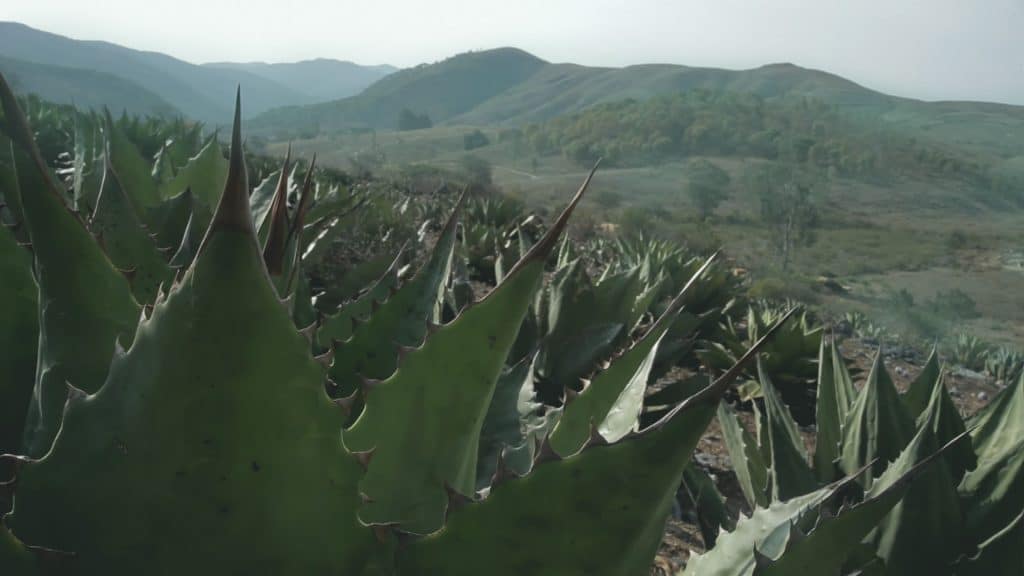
(233, 211)
(546, 244)
(718, 387)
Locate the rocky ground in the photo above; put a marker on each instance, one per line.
(970, 391)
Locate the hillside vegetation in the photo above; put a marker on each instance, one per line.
(84, 88)
(442, 91)
(316, 372)
(508, 87)
(800, 131)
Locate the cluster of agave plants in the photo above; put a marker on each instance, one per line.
(174, 399)
(1002, 363)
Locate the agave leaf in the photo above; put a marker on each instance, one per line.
(827, 417)
(88, 162)
(944, 419)
(1003, 553)
(584, 321)
(9, 195)
(19, 337)
(262, 197)
(339, 326)
(401, 320)
(919, 393)
(213, 432)
(86, 304)
(303, 313)
(619, 296)
(126, 240)
(747, 460)
(442, 391)
(646, 298)
(361, 275)
(281, 253)
(712, 514)
(790, 474)
(330, 203)
(878, 426)
(272, 227)
(170, 218)
(191, 238)
(835, 539)
(612, 401)
(785, 539)
(929, 516)
(566, 289)
(733, 554)
(626, 488)
(322, 234)
(994, 491)
(204, 175)
(188, 144)
(846, 394)
(163, 167)
(135, 172)
(511, 412)
(614, 398)
(569, 358)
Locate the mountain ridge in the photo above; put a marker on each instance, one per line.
(201, 92)
(531, 89)
(84, 88)
(322, 79)
(510, 87)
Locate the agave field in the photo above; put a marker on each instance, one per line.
(190, 383)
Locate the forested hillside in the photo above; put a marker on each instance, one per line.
(84, 88)
(800, 131)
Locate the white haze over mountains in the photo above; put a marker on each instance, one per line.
(930, 49)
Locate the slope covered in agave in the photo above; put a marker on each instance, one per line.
(191, 407)
(210, 444)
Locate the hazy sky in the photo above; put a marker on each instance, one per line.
(933, 49)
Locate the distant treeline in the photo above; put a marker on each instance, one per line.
(703, 123)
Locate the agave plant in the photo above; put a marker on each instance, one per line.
(789, 360)
(1004, 364)
(862, 327)
(181, 423)
(965, 509)
(970, 352)
(172, 403)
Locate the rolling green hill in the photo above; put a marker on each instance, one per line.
(442, 90)
(560, 89)
(84, 88)
(510, 87)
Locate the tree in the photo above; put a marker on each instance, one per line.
(787, 207)
(707, 187)
(474, 139)
(409, 120)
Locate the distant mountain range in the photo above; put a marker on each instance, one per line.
(504, 86)
(322, 79)
(508, 86)
(93, 74)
